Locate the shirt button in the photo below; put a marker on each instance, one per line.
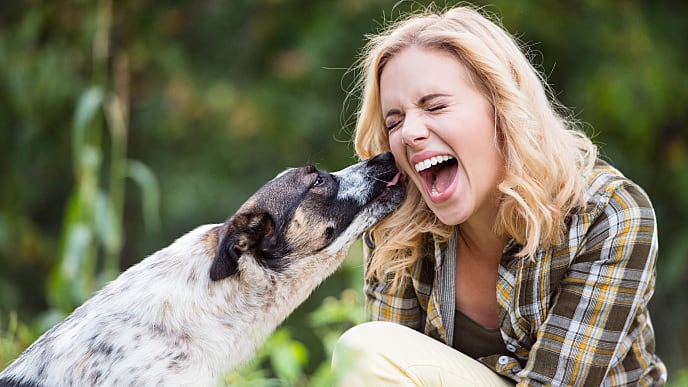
(503, 360)
(510, 348)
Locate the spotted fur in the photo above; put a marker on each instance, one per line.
(201, 306)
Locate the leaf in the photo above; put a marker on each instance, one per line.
(107, 223)
(88, 105)
(150, 192)
(71, 281)
(79, 237)
(288, 358)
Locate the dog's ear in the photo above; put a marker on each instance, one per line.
(226, 261)
(242, 232)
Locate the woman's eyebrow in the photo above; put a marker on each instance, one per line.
(421, 101)
(392, 112)
(429, 97)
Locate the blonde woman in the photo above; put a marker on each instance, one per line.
(518, 256)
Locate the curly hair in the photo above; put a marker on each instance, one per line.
(545, 151)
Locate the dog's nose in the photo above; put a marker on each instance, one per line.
(382, 158)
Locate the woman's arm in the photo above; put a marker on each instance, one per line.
(600, 312)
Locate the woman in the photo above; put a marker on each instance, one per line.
(517, 256)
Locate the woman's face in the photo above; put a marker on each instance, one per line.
(442, 134)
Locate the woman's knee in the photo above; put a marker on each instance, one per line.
(364, 355)
(388, 354)
(368, 338)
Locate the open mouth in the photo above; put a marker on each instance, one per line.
(438, 173)
(394, 180)
(390, 184)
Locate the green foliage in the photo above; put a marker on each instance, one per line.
(679, 379)
(195, 105)
(92, 232)
(282, 360)
(14, 338)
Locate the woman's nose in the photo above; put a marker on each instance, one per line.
(414, 130)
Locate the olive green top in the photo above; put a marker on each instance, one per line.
(476, 340)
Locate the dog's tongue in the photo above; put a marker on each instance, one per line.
(394, 180)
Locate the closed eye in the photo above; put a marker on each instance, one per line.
(392, 125)
(435, 108)
(393, 118)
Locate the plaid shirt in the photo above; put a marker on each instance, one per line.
(576, 316)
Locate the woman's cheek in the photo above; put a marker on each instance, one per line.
(399, 151)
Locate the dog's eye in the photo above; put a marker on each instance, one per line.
(319, 180)
(329, 233)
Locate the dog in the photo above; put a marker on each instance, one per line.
(202, 306)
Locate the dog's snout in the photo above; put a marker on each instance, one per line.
(382, 158)
(382, 164)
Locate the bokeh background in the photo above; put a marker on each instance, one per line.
(124, 124)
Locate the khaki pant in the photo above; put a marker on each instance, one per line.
(386, 354)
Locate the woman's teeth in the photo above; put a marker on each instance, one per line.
(427, 163)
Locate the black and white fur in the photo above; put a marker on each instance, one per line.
(201, 306)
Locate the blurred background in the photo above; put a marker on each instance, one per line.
(124, 124)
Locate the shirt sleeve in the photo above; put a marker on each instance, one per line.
(602, 298)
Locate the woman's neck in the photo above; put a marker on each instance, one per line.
(478, 240)
(478, 254)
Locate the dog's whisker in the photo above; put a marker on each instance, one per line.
(373, 177)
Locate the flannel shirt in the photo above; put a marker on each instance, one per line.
(576, 315)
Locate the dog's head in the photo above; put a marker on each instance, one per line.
(305, 212)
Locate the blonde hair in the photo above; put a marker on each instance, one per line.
(545, 152)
